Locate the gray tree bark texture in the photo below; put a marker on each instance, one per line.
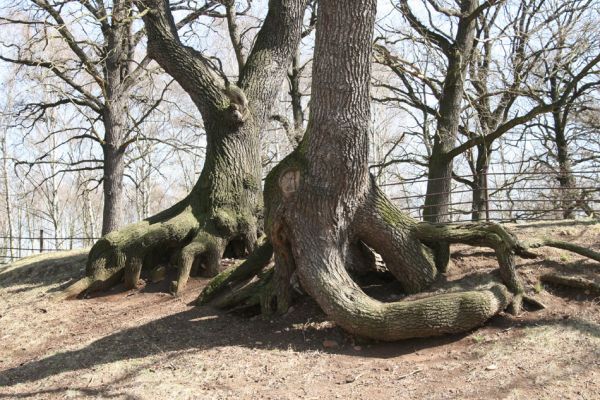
(223, 206)
(320, 202)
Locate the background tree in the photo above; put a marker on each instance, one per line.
(501, 85)
(86, 57)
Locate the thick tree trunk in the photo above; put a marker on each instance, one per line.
(114, 166)
(320, 202)
(222, 209)
(115, 114)
(438, 198)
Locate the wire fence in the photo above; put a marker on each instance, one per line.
(15, 247)
(517, 196)
(502, 197)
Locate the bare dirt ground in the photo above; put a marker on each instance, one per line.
(146, 344)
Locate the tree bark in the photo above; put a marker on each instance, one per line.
(7, 199)
(320, 201)
(115, 113)
(565, 177)
(114, 118)
(438, 194)
(223, 207)
(480, 201)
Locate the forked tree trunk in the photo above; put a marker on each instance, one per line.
(321, 201)
(223, 207)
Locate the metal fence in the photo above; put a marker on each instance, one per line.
(23, 246)
(509, 197)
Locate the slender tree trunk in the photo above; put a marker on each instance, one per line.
(7, 200)
(438, 195)
(479, 205)
(565, 178)
(296, 96)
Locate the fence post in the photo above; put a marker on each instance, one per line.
(41, 240)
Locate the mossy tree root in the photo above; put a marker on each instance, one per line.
(559, 244)
(237, 275)
(321, 265)
(386, 228)
(325, 277)
(383, 227)
(255, 281)
(175, 235)
(486, 234)
(345, 302)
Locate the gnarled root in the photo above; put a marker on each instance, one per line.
(380, 225)
(362, 315)
(576, 282)
(559, 244)
(176, 234)
(321, 257)
(237, 275)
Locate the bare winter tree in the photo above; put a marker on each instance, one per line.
(322, 205)
(86, 54)
(534, 64)
(494, 85)
(323, 209)
(455, 44)
(575, 38)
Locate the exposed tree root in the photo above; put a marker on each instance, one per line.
(380, 225)
(320, 203)
(576, 282)
(256, 291)
(346, 303)
(398, 239)
(236, 274)
(483, 234)
(178, 235)
(583, 251)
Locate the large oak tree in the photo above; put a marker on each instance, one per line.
(223, 208)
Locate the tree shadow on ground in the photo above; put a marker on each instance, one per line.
(203, 328)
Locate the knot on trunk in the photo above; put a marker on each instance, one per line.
(289, 181)
(238, 103)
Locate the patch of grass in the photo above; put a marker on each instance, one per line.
(538, 287)
(477, 338)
